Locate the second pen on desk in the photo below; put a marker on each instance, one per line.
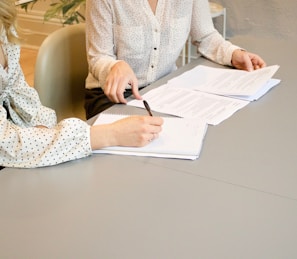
(147, 107)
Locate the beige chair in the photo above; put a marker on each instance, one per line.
(60, 71)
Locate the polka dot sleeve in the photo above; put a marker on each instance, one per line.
(22, 144)
(36, 147)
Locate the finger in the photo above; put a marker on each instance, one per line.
(116, 92)
(248, 65)
(110, 88)
(108, 91)
(121, 89)
(261, 63)
(156, 135)
(134, 88)
(257, 61)
(156, 122)
(256, 67)
(153, 136)
(120, 96)
(150, 137)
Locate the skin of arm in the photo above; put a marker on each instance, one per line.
(136, 131)
(106, 53)
(30, 135)
(133, 131)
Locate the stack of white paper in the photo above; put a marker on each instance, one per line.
(179, 138)
(211, 94)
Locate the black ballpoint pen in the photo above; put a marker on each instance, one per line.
(147, 107)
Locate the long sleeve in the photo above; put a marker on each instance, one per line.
(210, 43)
(20, 100)
(150, 43)
(100, 45)
(36, 147)
(23, 143)
(128, 30)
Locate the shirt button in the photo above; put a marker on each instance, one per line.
(155, 48)
(152, 66)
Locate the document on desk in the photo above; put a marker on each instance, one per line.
(225, 81)
(187, 103)
(212, 94)
(180, 138)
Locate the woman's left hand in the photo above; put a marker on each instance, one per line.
(246, 60)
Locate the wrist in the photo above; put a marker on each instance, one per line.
(102, 136)
(235, 54)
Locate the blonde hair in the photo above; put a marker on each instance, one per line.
(8, 15)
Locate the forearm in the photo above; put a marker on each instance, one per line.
(35, 147)
(217, 49)
(102, 136)
(135, 131)
(208, 40)
(99, 39)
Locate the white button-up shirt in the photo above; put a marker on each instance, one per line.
(150, 43)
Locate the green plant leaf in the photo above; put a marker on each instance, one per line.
(65, 10)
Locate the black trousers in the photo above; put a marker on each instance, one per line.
(96, 101)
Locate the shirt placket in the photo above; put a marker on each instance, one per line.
(155, 52)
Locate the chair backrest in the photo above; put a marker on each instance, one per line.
(60, 71)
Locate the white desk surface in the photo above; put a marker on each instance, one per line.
(238, 200)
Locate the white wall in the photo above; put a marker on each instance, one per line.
(268, 18)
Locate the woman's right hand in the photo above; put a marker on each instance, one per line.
(117, 80)
(133, 131)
